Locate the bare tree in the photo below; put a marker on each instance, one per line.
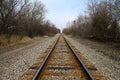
(22, 17)
(102, 22)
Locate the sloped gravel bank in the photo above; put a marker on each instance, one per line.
(15, 62)
(110, 67)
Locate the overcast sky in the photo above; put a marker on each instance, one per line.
(62, 11)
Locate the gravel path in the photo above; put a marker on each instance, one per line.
(15, 62)
(109, 66)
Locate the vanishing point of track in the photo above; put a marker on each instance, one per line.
(62, 63)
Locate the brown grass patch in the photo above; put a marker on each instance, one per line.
(13, 40)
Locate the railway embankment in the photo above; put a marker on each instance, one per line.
(13, 62)
(104, 56)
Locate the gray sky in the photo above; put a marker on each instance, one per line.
(60, 12)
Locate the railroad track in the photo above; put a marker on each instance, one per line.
(61, 63)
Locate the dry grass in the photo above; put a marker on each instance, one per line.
(37, 38)
(3, 40)
(13, 40)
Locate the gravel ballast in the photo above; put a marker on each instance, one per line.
(108, 66)
(15, 62)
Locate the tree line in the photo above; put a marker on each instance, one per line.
(24, 18)
(101, 22)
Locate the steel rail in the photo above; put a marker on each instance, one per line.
(45, 61)
(79, 60)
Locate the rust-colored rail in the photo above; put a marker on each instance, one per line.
(44, 62)
(80, 61)
(62, 62)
